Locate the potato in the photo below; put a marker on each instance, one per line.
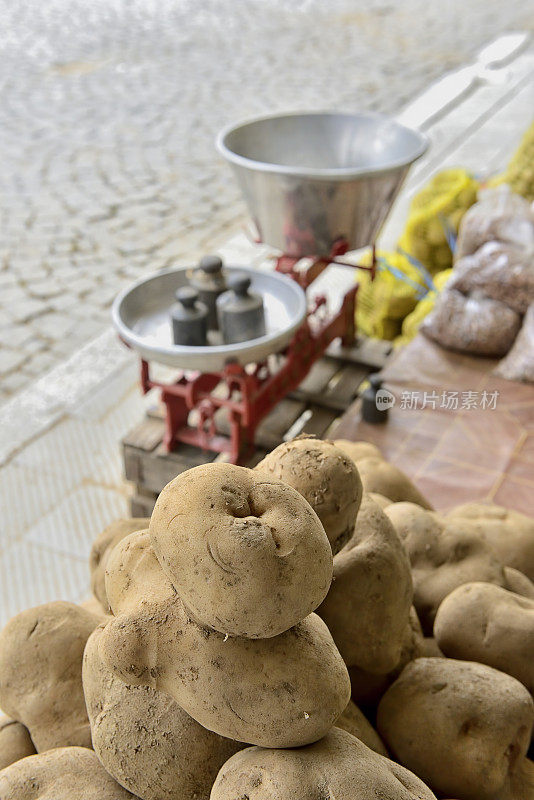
(380, 499)
(66, 773)
(339, 766)
(446, 553)
(15, 741)
(464, 728)
(369, 602)
(247, 554)
(358, 450)
(384, 478)
(367, 687)
(356, 723)
(510, 533)
(41, 653)
(278, 691)
(94, 606)
(485, 623)
(102, 547)
(517, 582)
(145, 740)
(134, 575)
(430, 648)
(379, 476)
(284, 691)
(325, 477)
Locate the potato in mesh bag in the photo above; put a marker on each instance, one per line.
(519, 363)
(472, 324)
(499, 215)
(435, 214)
(500, 271)
(519, 174)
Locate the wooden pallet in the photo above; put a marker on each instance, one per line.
(327, 391)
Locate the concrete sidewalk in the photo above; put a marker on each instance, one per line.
(61, 473)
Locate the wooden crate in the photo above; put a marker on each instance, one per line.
(329, 388)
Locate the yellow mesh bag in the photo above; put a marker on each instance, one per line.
(411, 323)
(383, 303)
(519, 174)
(441, 204)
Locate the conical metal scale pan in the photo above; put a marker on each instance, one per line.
(313, 178)
(141, 315)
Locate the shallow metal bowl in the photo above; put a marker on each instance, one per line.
(310, 178)
(141, 316)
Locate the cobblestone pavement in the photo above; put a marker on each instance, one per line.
(109, 109)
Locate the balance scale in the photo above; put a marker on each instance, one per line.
(317, 185)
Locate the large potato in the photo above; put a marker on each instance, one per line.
(325, 477)
(247, 554)
(339, 766)
(379, 476)
(15, 741)
(284, 691)
(464, 728)
(145, 740)
(357, 451)
(356, 723)
(102, 547)
(368, 605)
(510, 533)
(41, 652)
(483, 622)
(66, 773)
(134, 575)
(446, 553)
(368, 687)
(280, 692)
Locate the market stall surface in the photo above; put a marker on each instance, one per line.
(463, 434)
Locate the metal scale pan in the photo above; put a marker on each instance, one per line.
(141, 316)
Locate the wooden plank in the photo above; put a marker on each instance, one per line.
(145, 436)
(142, 505)
(251, 462)
(256, 458)
(156, 411)
(155, 470)
(318, 377)
(369, 352)
(318, 421)
(327, 390)
(344, 387)
(271, 430)
(130, 458)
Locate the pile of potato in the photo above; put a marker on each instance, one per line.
(307, 630)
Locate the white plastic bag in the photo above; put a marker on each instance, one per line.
(519, 363)
(499, 215)
(471, 324)
(498, 270)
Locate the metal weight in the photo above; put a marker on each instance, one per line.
(240, 312)
(371, 410)
(189, 318)
(209, 279)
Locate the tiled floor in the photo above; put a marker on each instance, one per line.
(60, 464)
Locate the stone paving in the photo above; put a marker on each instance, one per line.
(109, 109)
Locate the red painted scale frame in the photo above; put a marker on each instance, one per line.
(252, 392)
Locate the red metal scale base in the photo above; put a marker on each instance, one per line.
(248, 394)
